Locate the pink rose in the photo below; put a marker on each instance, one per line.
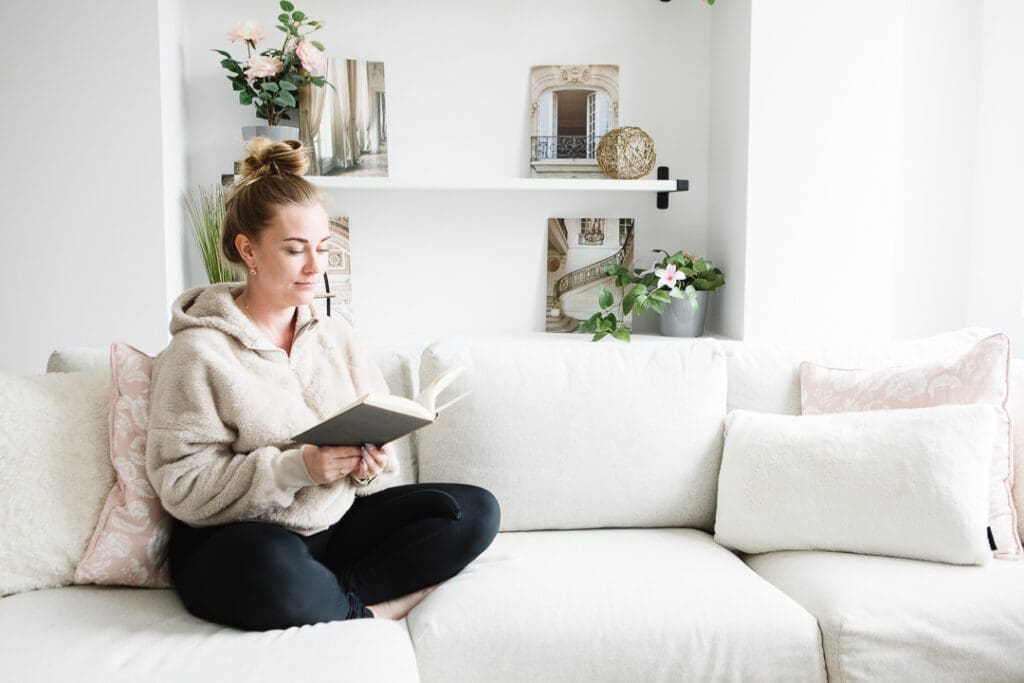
(311, 57)
(249, 31)
(262, 67)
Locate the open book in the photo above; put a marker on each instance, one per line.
(380, 418)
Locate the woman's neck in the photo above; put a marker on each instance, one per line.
(277, 323)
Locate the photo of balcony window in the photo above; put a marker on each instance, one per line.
(578, 251)
(345, 126)
(571, 108)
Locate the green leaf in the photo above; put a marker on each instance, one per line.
(622, 334)
(658, 307)
(599, 336)
(605, 298)
(245, 97)
(270, 86)
(289, 86)
(661, 295)
(223, 52)
(283, 29)
(627, 303)
(318, 81)
(283, 18)
(285, 100)
(676, 293)
(287, 6)
(231, 65)
(298, 16)
(236, 85)
(318, 45)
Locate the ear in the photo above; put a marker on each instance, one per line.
(246, 248)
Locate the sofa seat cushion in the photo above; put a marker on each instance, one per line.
(92, 633)
(888, 619)
(612, 605)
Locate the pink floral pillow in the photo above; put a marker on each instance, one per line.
(978, 376)
(129, 546)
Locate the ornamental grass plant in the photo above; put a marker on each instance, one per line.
(204, 207)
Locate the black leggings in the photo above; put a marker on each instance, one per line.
(259, 576)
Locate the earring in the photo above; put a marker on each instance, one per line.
(252, 270)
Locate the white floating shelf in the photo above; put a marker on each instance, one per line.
(501, 184)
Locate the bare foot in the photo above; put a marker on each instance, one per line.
(399, 607)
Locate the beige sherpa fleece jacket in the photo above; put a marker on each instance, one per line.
(225, 403)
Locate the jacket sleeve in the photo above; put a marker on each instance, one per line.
(189, 454)
(361, 361)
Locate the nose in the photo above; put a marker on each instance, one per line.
(313, 265)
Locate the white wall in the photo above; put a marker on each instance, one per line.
(995, 276)
(458, 95)
(727, 163)
(938, 120)
(862, 120)
(173, 143)
(822, 170)
(82, 226)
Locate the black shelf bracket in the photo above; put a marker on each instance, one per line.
(681, 186)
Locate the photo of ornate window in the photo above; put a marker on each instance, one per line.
(345, 127)
(338, 273)
(571, 108)
(578, 251)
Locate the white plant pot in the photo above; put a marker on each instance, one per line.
(680, 320)
(272, 132)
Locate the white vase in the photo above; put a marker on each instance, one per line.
(272, 132)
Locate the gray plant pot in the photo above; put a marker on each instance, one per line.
(272, 132)
(679, 320)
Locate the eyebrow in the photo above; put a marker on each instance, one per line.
(303, 240)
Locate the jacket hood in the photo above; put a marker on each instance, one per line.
(213, 307)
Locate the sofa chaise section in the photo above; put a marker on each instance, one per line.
(891, 619)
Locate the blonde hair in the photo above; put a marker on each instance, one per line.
(271, 178)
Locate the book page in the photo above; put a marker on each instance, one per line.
(428, 396)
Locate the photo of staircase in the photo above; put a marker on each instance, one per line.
(578, 251)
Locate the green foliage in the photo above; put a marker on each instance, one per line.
(642, 292)
(204, 207)
(272, 95)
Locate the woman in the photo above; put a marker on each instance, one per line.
(270, 533)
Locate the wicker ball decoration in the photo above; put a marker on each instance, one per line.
(626, 152)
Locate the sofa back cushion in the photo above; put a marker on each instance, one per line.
(569, 434)
(55, 473)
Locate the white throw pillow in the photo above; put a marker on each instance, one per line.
(903, 483)
(575, 435)
(55, 474)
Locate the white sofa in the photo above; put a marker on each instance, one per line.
(604, 458)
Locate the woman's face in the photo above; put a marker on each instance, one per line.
(290, 255)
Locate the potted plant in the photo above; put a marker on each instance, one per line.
(270, 80)
(204, 207)
(676, 288)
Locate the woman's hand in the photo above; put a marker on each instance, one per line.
(327, 464)
(373, 462)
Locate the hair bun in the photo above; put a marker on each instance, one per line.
(274, 158)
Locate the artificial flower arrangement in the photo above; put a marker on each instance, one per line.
(269, 80)
(677, 276)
